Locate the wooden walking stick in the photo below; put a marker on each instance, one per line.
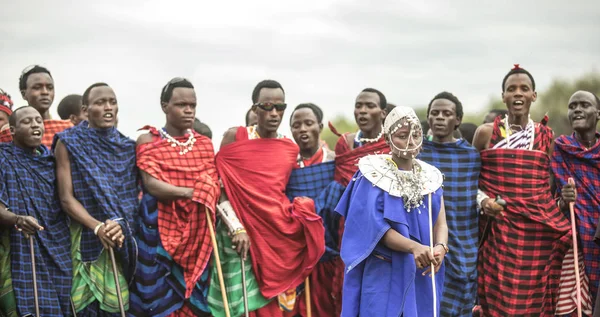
(117, 284)
(575, 252)
(35, 289)
(432, 265)
(217, 261)
(307, 293)
(244, 288)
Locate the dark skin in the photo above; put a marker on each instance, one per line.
(39, 93)
(394, 240)
(306, 130)
(27, 134)
(3, 120)
(443, 120)
(368, 116)
(583, 114)
(102, 111)
(518, 95)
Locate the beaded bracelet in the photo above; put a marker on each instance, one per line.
(238, 231)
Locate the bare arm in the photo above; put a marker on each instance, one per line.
(399, 243)
(440, 229)
(482, 137)
(7, 218)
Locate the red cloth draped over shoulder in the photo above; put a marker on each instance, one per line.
(5, 136)
(52, 127)
(346, 159)
(287, 238)
(182, 224)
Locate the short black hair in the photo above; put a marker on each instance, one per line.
(69, 105)
(467, 130)
(315, 109)
(518, 70)
(12, 119)
(202, 128)
(451, 97)
(86, 94)
(267, 83)
(34, 70)
(167, 92)
(382, 100)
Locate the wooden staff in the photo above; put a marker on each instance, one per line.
(244, 288)
(307, 293)
(575, 251)
(117, 284)
(35, 290)
(217, 261)
(432, 265)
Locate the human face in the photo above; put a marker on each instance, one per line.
(442, 119)
(367, 112)
(39, 91)
(252, 118)
(518, 95)
(102, 108)
(29, 128)
(181, 108)
(405, 142)
(583, 112)
(269, 121)
(306, 130)
(3, 119)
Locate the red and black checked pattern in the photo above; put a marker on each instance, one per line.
(52, 127)
(543, 135)
(346, 159)
(5, 136)
(182, 224)
(520, 262)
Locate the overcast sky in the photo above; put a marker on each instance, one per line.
(322, 51)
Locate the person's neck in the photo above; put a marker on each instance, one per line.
(175, 132)
(264, 134)
(587, 138)
(444, 139)
(26, 149)
(403, 164)
(45, 115)
(372, 134)
(518, 120)
(308, 153)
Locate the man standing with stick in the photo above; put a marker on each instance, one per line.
(35, 259)
(180, 183)
(577, 156)
(97, 182)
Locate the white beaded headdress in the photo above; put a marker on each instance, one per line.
(399, 117)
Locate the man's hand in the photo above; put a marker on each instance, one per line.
(111, 234)
(568, 193)
(492, 208)
(241, 243)
(28, 225)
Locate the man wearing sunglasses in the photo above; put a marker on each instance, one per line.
(37, 88)
(287, 239)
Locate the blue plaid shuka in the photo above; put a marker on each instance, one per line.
(460, 164)
(316, 182)
(27, 188)
(104, 173)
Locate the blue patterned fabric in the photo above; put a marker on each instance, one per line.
(379, 281)
(460, 163)
(104, 173)
(166, 292)
(27, 188)
(316, 182)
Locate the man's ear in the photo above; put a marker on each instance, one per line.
(163, 106)
(320, 127)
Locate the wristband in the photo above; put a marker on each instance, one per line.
(98, 228)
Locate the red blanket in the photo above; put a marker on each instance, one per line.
(52, 127)
(5, 136)
(520, 262)
(346, 159)
(182, 224)
(287, 239)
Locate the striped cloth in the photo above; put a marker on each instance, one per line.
(52, 127)
(173, 238)
(460, 163)
(8, 303)
(520, 263)
(27, 187)
(571, 159)
(104, 175)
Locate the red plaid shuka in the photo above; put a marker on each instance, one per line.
(287, 238)
(52, 127)
(520, 262)
(5, 136)
(182, 224)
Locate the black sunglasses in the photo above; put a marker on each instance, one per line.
(268, 106)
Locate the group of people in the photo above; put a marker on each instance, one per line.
(402, 218)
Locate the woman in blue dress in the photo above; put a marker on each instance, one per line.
(388, 238)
